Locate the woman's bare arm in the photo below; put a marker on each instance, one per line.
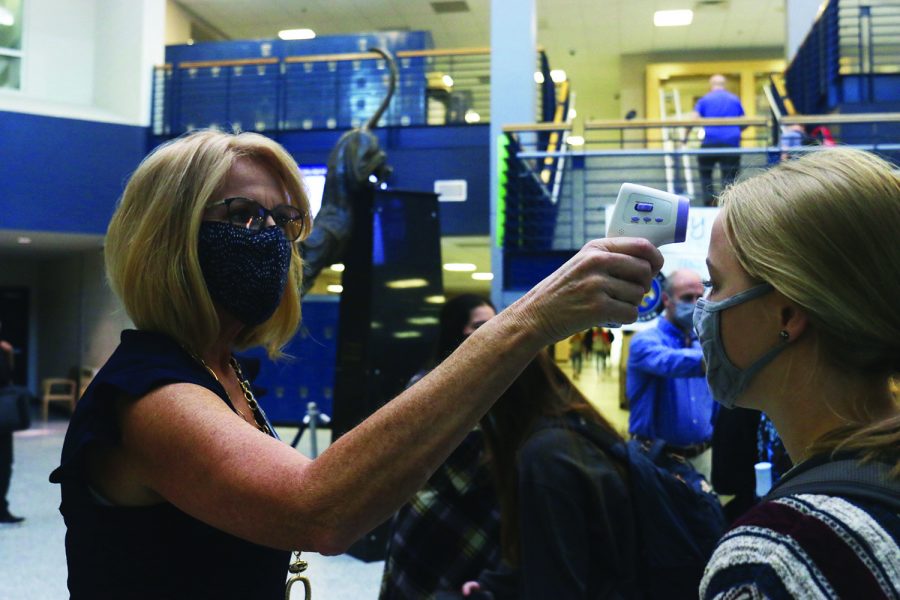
(184, 444)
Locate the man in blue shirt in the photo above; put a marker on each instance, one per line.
(665, 382)
(719, 102)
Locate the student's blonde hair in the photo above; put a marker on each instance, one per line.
(824, 230)
(151, 243)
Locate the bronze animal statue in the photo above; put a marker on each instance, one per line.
(356, 163)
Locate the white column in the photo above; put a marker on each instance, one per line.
(513, 62)
(799, 16)
(130, 41)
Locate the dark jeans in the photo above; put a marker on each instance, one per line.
(6, 460)
(730, 165)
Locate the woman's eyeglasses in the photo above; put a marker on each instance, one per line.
(249, 214)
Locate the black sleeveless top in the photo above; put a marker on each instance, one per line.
(155, 551)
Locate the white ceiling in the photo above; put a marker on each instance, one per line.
(589, 27)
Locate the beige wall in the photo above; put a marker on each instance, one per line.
(633, 67)
(178, 24)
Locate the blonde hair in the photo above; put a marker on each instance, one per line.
(823, 231)
(151, 242)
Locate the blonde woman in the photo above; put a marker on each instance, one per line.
(173, 482)
(801, 322)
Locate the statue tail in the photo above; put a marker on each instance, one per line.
(392, 85)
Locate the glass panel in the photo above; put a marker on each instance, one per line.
(10, 72)
(11, 24)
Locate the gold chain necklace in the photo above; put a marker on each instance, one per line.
(258, 416)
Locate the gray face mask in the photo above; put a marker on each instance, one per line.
(684, 315)
(726, 381)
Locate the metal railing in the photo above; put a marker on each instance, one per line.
(335, 91)
(536, 220)
(849, 52)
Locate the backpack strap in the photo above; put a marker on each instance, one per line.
(846, 478)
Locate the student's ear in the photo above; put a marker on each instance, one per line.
(794, 320)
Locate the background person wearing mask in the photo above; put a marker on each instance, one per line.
(718, 102)
(801, 323)
(449, 532)
(668, 396)
(168, 462)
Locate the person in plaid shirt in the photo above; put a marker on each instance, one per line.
(449, 532)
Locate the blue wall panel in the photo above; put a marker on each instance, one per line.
(420, 155)
(64, 175)
(307, 374)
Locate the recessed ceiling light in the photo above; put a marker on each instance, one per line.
(338, 267)
(405, 335)
(482, 276)
(335, 288)
(575, 140)
(24, 239)
(459, 267)
(538, 77)
(422, 320)
(472, 116)
(448, 81)
(296, 34)
(558, 75)
(673, 18)
(405, 284)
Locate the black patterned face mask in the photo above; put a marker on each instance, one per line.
(245, 271)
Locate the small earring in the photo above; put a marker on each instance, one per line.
(784, 335)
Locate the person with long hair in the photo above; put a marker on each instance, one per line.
(567, 523)
(169, 464)
(801, 322)
(449, 530)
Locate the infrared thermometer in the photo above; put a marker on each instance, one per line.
(657, 216)
(651, 214)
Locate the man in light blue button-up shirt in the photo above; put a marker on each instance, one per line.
(665, 385)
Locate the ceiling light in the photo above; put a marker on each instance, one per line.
(575, 140)
(538, 77)
(572, 114)
(335, 288)
(558, 75)
(459, 267)
(448, 81)
(673, 18)
(338, 267)
(422, 320)
(6, 17)
(404, 335)
(296, 34)
(435, 299)
(405, 284)
(482, 276)
(472, 116)
(24, 240)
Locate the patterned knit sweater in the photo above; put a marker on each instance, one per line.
(808, 546)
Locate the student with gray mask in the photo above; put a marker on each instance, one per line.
(668, 396)
(801, 323)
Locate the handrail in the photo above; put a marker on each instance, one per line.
(346, 56)
(841, 119)
(656, 123)
(537, 127)
(234, 62)
(340, 57)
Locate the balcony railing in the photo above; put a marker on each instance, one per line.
(538, 217)
(333, 91)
